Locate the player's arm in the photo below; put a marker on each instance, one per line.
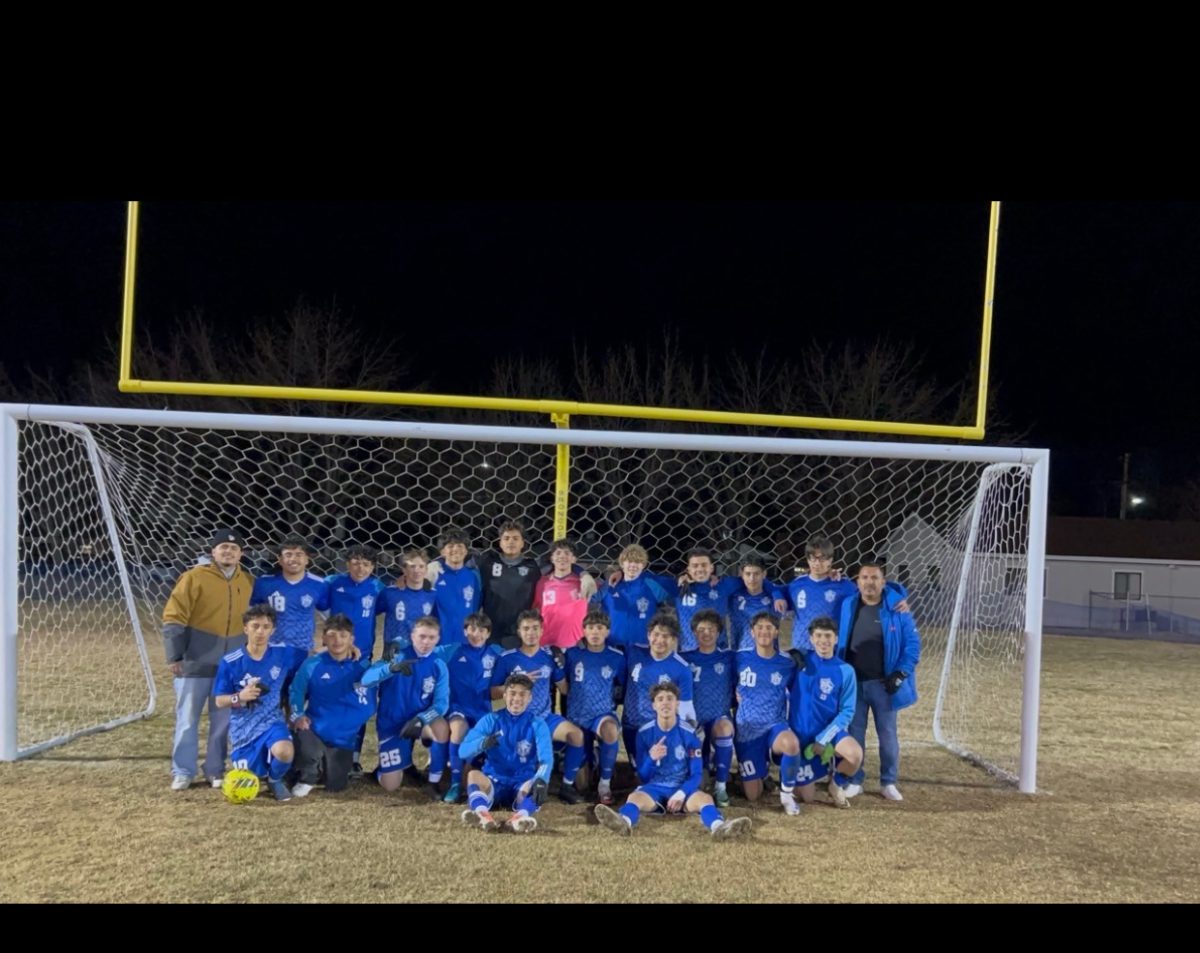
(378, 672)
(846, 703)
(441, 695)
(544, 744)
(298, 692)
(472, 744)
(687, 707)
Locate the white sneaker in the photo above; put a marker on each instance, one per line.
(180, 783)
(790, 807)
(615, 821)
(215, 783)
(522, 825)
(837, 795)
(852, 790)
(732, 827)
(891, 793)
(301, 790)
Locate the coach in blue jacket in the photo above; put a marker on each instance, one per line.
(883, 647)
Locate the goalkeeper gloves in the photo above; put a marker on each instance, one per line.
(798, 657)
(402, 667)
(490, 741)
(412, 728)
(893, 682)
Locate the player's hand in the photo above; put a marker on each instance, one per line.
(175, 668)
(432, 572)
(412, 728)
(798, 656)
(587, 585)
(675, 805)
(303, 723)
(902, 607)
(781, 606)
(252, 692)
(390, 651)
(355, 653)
(490, 741)
(835, 573)
(615, 576)
(560, 660)
(402, 666)
(827, 753)
(894, 680)
(659, 750)
(539, 791)
(683, 581)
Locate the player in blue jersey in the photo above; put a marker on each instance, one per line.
(470, 664)
(632, 597)
(251, 681)
(457, 586)
(669, 764)
(756, 594)
(701, 588)
(295, 594)
(519, 756)
(414, 696)
(713, 677)
(648, 665)
(329, 707)
(763, 735)
(820, 711)
(409, 598)
(595, 679)
(544, 666)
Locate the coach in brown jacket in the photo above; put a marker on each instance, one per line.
(201, 623)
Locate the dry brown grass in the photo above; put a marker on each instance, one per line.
(94, 820)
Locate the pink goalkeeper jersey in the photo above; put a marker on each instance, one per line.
(562, 610)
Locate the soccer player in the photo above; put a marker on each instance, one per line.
(329, 708)
(518, 758)
(296, 595)
(250, 681)
(762, 732)
(200, 625)
(562, 597)
(648, 665)
(470, 664)
(751, 598)
(883, 646)
(712, 688)
(458, 587)
(509, 577)
(820, 710)
(595, 678)
(701, 589)
(543, 666)
(669, 764)
(410, 598)
(413, 699)
(633, 597)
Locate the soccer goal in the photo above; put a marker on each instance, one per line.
(104, 508)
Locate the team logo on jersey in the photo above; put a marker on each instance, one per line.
(426, 608)
(522, 570)
(830, 596)
(497, 569)
(637, 671)
(368, 601)
(776, 678)
(306, 600)
(428, 685)
(719, 668)
(524, 749)
(714, 594)
(643, 605)
(276, 671)
(468, 594)
(488, 662)
(680, 752)
(606, 672)
(664, 677)
(826, 687)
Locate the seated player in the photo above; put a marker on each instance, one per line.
(763, 736)
(668, 758)
(412, 706)
(820, 710)
(648, 665)
(329, 708)
(712, 687)
(519, 755)
(543, 666)
(595, 677)
(470, 664)
(251, 681)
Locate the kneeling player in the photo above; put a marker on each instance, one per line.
(669, 764)
(518, 757)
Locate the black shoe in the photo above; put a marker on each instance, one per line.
(356, 770)
(568, 795)
(412, 776)
(432, 790)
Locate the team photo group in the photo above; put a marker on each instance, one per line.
(513, 672)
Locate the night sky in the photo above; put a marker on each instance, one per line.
(1092, 349)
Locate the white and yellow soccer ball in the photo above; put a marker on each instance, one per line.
(240, 786)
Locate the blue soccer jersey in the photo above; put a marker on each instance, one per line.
(426, 692)
(540, 666)
(712, 683)
(590, 680)
(330, 694)
(742, 608)
(630, 606)
(401, 607)
(762, 692)
(470, 677)
(524, 749)
(238, 669)
(822, 699)
(703, 595)
(356, 600)
(645, 670)
(680, 767)
(295, 604)
(459, 593)
(812, 598)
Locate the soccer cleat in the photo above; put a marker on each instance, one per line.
(732, 827)
(302, 790)
(568, 795)
(454, 794)
(280, 790)
(721, 796)
(180, 783)
(432, 791)
(356, 770)
(215, 782)
(852, 790)
(790, 807)
(837, 795)
(526, 824)
(614, 821)
(891, 793)
(481, 819)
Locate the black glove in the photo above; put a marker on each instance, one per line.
(557, 654)
(403, 666)
(412, 728)
(893, 682)
(798, 657)
(263, 689)
(490, 741)
(539, 791)
(390, 651)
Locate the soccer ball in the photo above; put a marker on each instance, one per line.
(240, 786)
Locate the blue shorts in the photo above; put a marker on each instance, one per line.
(506, 791)
(256, 755)
(811, 770)
(468, 716)
(755, 757)
(659, 794)
(395, 754)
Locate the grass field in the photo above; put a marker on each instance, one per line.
(1119, 821)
